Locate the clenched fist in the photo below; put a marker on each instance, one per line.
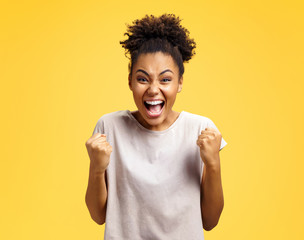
(209, 142)
(99, 151)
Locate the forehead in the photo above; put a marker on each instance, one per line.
(158, 61)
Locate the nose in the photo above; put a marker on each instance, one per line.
(153, 89)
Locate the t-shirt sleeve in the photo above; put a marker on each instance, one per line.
(99, 127)
(212, 125)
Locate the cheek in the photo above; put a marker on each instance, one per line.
(138, 92)
(170, 94)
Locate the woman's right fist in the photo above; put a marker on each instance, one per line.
(99, 151)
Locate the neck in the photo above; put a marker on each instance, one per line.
(160, 127)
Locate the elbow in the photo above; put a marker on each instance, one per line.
(99, 221)
(96, 216)
(209, 224)
(209, 227)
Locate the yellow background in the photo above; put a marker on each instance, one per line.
(62, 68)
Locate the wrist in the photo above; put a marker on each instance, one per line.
(96, 170)
(213, 163)
(213, 167)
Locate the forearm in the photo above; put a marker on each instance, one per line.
(212, 199)
(96, 195)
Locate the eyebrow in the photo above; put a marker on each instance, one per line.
(143, 71)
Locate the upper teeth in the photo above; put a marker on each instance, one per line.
(154, 102)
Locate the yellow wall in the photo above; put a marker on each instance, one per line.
(62, 67)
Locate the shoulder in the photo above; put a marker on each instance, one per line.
(198, 120)
(113, 116)
(194, 122)
(195, 118)
(201, 122)
(109, 120)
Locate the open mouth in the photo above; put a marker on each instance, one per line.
(154, 108)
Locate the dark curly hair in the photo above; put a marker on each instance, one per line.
(153, 34)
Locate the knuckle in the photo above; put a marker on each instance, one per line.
(102, 145)
(95, 146)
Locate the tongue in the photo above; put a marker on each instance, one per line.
(155, 108)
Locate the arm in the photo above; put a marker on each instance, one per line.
(99, 151)
(212, 199)
(96, 195)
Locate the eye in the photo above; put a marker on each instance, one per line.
(166, 80)
(141, 80)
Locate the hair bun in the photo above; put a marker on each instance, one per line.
(167, 26)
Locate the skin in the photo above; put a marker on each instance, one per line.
(212, 198)
(99, 151)
(156, 76)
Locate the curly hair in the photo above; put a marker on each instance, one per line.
(153, 34)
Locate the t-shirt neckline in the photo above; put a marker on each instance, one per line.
(153, 131)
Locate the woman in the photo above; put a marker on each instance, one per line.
(155, 172)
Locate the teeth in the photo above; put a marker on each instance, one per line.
(154, 102)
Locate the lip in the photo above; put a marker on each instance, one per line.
(153, 115)
(154, 100)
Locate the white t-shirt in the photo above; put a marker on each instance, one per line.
(153, 178)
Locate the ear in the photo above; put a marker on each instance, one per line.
(180, 84)
(129, 82)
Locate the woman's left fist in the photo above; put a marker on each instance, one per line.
(209, 142)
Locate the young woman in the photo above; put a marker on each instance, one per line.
(154, 172)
